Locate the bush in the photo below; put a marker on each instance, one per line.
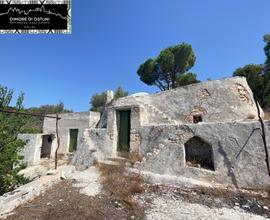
(10, 160)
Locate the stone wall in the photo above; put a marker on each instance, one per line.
(93, 146)
(238, 152)
(215, 101)
(162, 123)
(31, 151)
(94, 118)
(78, 120)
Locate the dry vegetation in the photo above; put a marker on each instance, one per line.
(135, 157)
(266, 115)
(64, 202)
(121, 184)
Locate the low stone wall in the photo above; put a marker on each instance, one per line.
(237, 149)
(31, 151)
(92, 147)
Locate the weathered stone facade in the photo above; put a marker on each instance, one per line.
(32, 150)
(207, 131)
(221, 113)
(80, 121)
(237, 152)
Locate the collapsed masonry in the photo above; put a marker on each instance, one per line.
(207, 131)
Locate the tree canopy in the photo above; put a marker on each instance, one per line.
(258, 76)
(166, 70)
(266, 39)
(187, 79)
(98, 100)
(35, 124)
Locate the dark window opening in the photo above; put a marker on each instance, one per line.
(197, 119)
(50, 139)
(199, 153)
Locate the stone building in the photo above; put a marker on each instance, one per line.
(206, 131)
(71, 128)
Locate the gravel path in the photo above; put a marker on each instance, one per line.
(164, 208)
(88, 181)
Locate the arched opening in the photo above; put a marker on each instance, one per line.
(199, 153)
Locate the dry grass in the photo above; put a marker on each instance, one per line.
(251, 116)
(266, 115)
(121, 184)
(135, 157)
(63, 201)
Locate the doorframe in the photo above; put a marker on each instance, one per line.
(68, 139)
(112, 128)
(51, 156)
(118, 129)
(136, 119)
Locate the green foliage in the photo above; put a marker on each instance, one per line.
(98, 100)
(187, 79)
(119, 92)
(258, 77)
(5, 96)
(165, 70)
(256, 80)
(266, 39)
(10, 160)
(19, 103)
(34, 124)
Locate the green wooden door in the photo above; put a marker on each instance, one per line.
(73, 136)
(124, 131)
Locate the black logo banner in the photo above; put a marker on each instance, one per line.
(35, 17)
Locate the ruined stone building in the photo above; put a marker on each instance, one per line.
(206, 131)
(71, 128)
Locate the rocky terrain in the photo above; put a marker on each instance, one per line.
(109, 192)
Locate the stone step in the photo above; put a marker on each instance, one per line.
(118, 159)
(108, 163)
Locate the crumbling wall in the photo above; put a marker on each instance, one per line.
(238, 153)
(78, 120)
(94, 118)
(93, 146)
(31, 151)
(223, 100)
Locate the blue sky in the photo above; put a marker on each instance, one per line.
(111, 38)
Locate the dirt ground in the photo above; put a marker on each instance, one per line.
(63, 201)
(125, 196)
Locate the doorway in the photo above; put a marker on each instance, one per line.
(46, 146)
(73, 137)
(123, 132)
